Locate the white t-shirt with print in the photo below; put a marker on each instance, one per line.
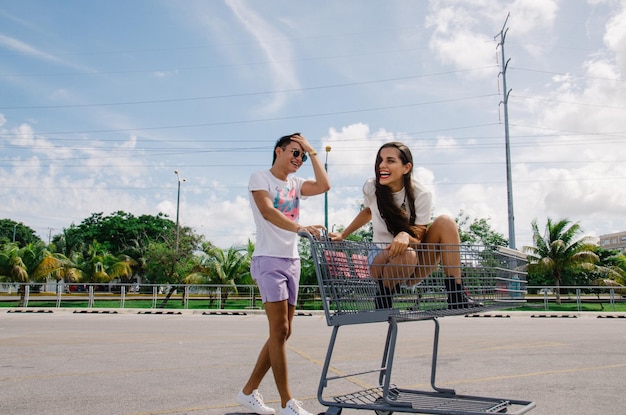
(270, 239)
(423, 208)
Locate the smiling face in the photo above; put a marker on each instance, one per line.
(391, 168)
(286, 159)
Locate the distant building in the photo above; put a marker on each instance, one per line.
(613, 240)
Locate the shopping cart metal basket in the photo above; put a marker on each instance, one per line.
(493, 278)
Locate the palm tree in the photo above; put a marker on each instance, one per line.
(613, 265)
(121, 267)
(559, 250)
(220, 267)
(31, 263)
(99, 266)
(13, 269)
(91, 266)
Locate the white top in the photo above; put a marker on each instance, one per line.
(423, 208)
(270, 239)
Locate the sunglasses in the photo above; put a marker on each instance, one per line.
(297, 153)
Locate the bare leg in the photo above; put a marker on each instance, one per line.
(443, 232)
(444, 235)
(440, 245)
(260, 370)
(394, 270)
(273, 354)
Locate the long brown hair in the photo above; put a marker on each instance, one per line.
(397, 220)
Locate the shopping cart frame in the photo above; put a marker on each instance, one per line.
(496, 279)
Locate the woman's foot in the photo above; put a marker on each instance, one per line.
(458, 297)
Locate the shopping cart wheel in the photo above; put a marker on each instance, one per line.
(332, 410)
(380, 411)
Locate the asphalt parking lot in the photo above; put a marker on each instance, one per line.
(124, 362)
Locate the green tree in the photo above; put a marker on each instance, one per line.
(478, 231)
(131, 241)
(33, 262)
(11, 231)
(42, 264)
(614, 262)
(164, 264)
(12, 267)
(96, 266)
(122, 267)
(245, 278)
(364, 234)
(559, 251)
(92, 266)
(610, 269)
(221, 267)
(307, 267)
(119, 233)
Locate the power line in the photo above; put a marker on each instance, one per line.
(356, 187)
(234, 122)
(244, 94)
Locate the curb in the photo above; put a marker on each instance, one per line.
(301, 313)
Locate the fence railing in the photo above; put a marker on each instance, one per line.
(151, 296)
(154, 296)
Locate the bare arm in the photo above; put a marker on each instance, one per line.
(359, 221)
(321, 183)
(263, 201)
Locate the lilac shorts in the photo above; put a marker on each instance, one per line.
(278, 278)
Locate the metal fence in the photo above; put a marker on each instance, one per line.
(154, 296)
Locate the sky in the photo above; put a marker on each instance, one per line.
(101, 102)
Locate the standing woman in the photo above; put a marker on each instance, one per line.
(400, 210)
(275, 196)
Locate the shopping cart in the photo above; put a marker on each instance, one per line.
(493, 277)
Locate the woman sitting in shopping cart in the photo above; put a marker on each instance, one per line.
(408, 249)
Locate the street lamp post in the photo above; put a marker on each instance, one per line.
(178, 207)
(14, 229)
(326, 193)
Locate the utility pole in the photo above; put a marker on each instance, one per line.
(326, 193)
(505, 104)
(178, 206)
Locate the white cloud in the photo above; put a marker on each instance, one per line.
(461, 37)
(454, 41)
(275, 46)
(615, 37)
(26, 49)
(529, 15)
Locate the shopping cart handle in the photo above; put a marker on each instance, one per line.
(322, 237)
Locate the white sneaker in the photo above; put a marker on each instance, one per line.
(254, 402)
(294, 408)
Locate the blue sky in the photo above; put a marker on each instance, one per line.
(100, 102)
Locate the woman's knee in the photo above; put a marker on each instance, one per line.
(443, 229)
(445, 221)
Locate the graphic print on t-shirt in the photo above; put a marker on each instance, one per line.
(287, 202)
